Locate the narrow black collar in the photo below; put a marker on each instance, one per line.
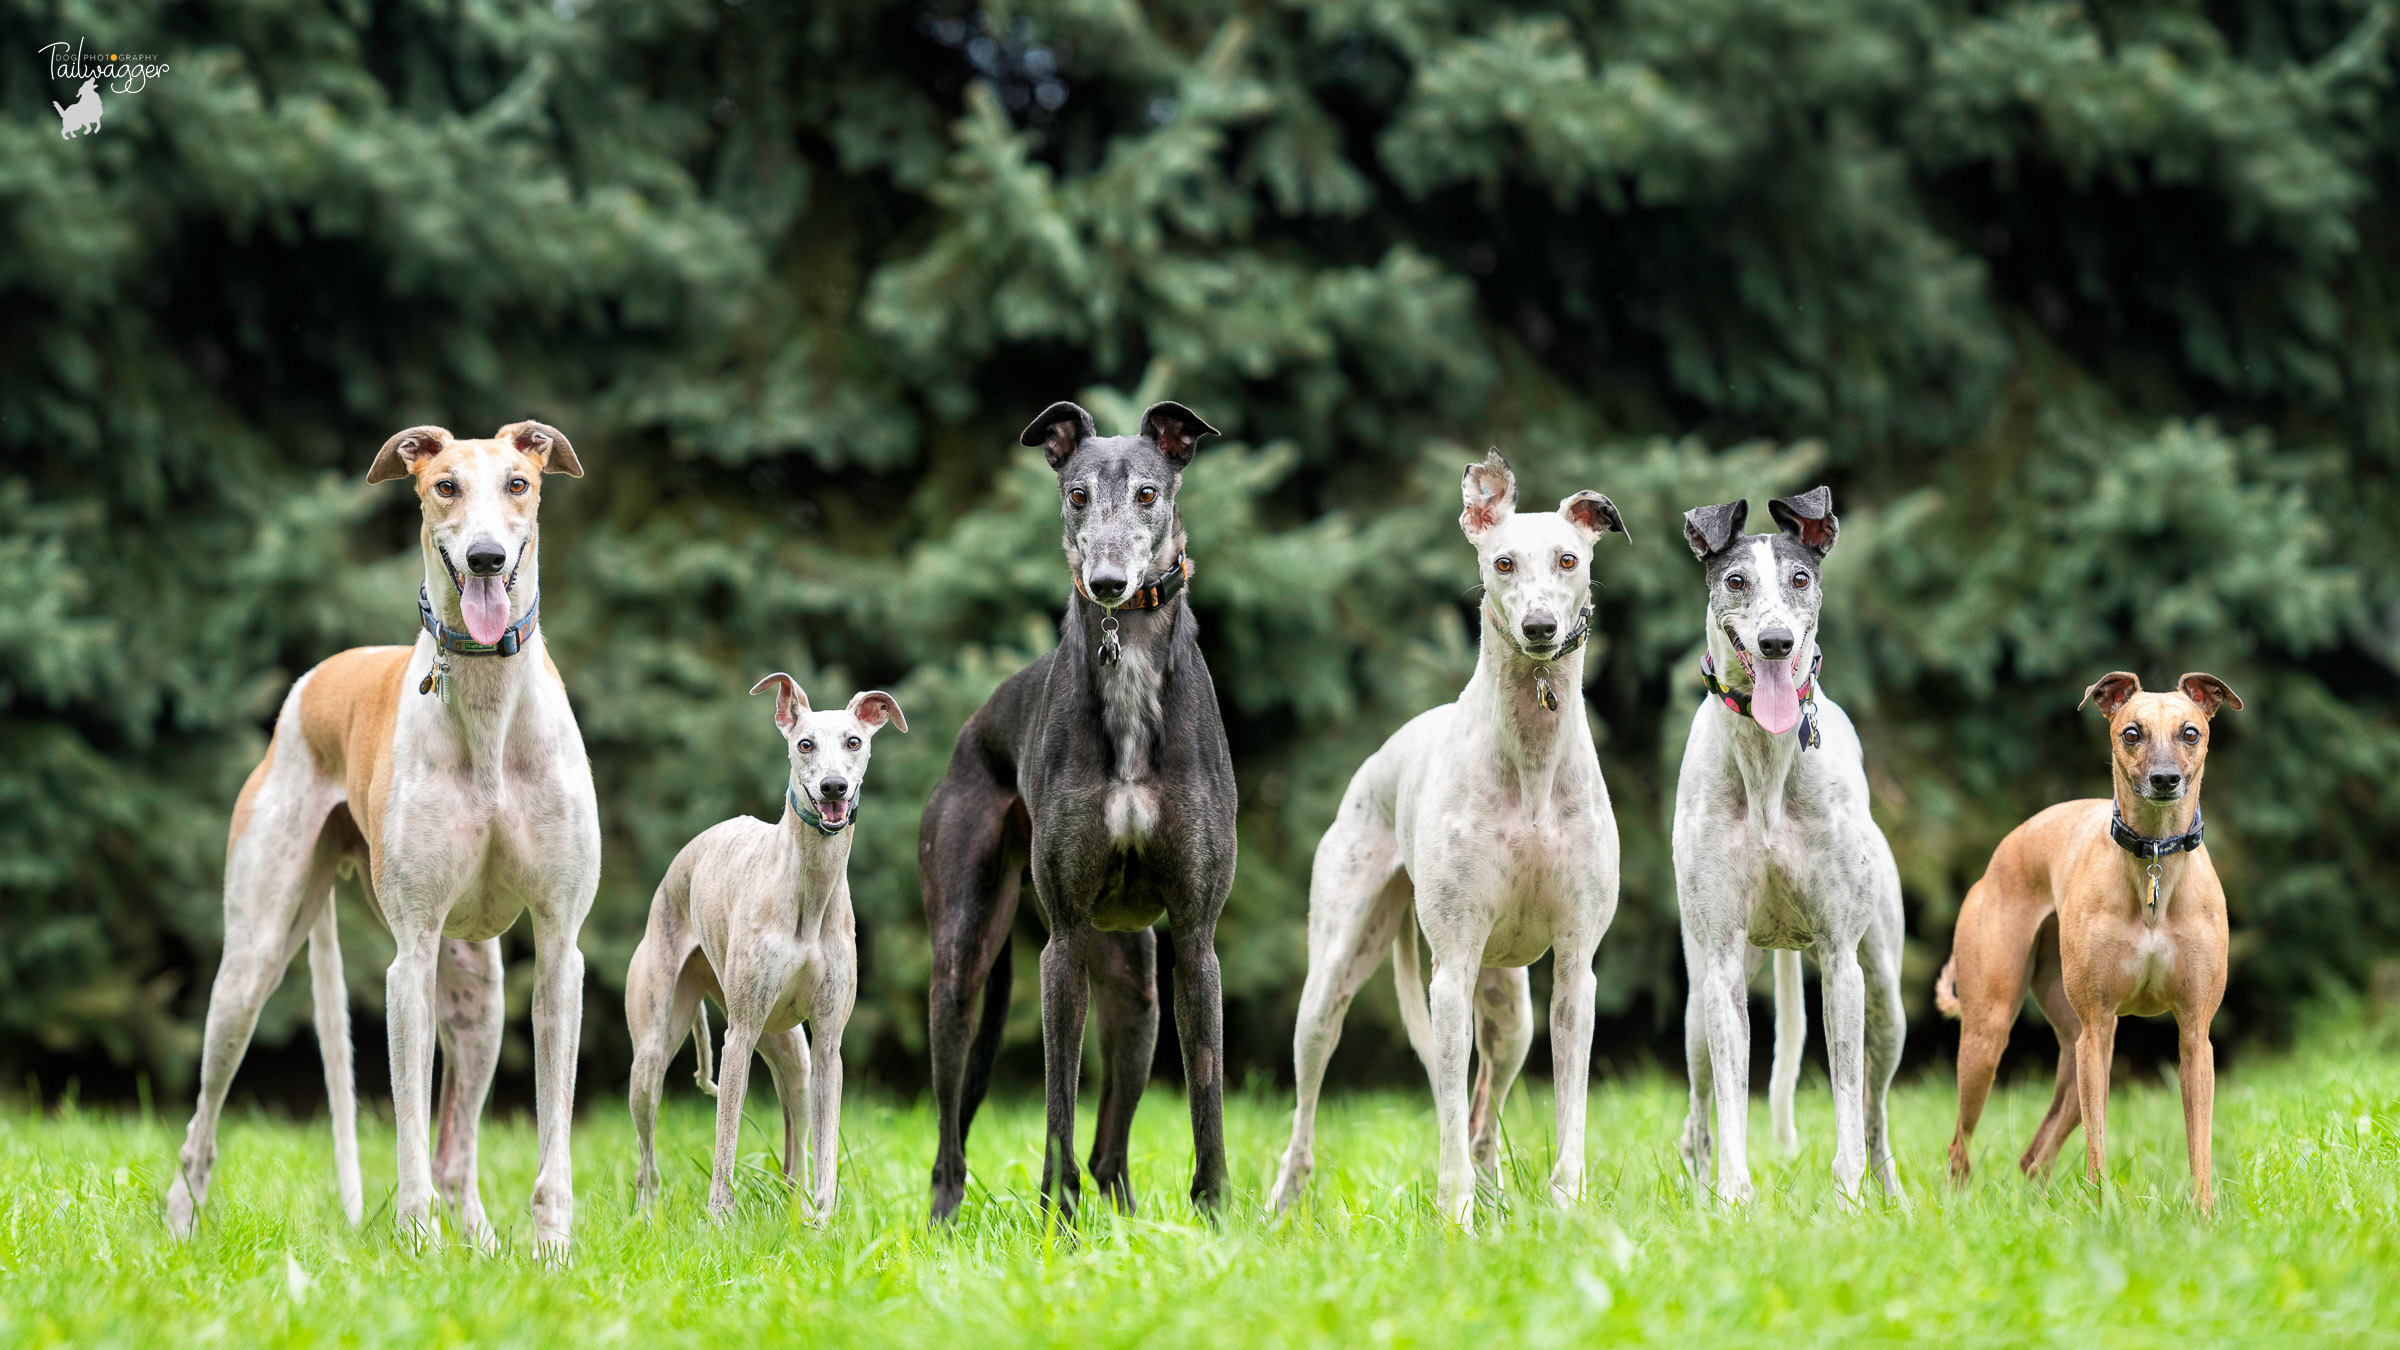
(1810, 737)
(2152, 849)
(1152, 596)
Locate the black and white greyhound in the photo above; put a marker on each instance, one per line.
(1102, 764)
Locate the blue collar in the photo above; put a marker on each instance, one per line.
(809, 813)
(2153, 849)
(451, 642)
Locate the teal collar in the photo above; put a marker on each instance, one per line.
(451, 642)
(808, 813)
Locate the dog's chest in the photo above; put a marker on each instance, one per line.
(1131, 690)
(2150, 961)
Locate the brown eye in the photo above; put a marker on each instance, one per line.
(1504, 565)
(851, 744)
(2191, 734)
(2133, 735)
(445, 488)
(1146, 495)
(1078, 496)
(1735, 582)
(1799, 581)
(808, 747)
(517, 486)
(1566, 562)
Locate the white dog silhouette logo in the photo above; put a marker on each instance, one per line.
(84, 116)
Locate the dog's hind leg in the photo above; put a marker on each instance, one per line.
(991, 1021)
(331, 998)
(1791, 1034)
(1125, 1003)
(661, 1001)
(1503, 1033)
(2066, 1105)
(278, 871)
(1988, 967)
(470, 998)
(1360, 904)
(970, 861)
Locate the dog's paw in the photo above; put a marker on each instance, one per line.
(183, 1217)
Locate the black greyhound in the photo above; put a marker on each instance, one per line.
(1104, 765)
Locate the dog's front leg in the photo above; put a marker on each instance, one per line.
(835, 999)
(557, 1038)
(1064, 961)
(733, 1085)
(1845, 1055)
(1451, 994)
(1723, 994)
(2093, 1051)
(469, 997)
(2198, 1070)
(408, 1012)
(1571, 1010)
(1200, 1029)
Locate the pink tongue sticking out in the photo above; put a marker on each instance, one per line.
(1774, 703)
(483, 602)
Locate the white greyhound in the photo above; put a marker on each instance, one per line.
(450, 778)
(1491, 816)
(758, 917)
(1775, 849)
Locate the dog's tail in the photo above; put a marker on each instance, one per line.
(705, 1074)
(1408, 980)
(1945, 989)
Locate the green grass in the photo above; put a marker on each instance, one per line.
(2305, 1240)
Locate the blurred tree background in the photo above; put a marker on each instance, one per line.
(2089, 313)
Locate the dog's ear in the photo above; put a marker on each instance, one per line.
(1176, 430)
(2111, 690)
(2212, 694)
(1061, 427)
(545, 443)
(875, 707)
(1489, 490)
(403, 454)
(1711, 529)
(1808, 518)
(790, 703)
(1594, 513)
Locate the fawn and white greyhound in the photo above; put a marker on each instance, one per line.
(1486, 823)
(758, 917)
(449, 778)
(1775, 850)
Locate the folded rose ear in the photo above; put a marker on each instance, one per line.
(790, 703)
(545, 443)
(2211, 693)
(1594, 513)
(1489, 490)
(2111, 690)
(407, 452)
(875, 707)
(1061, 427)
(1710, 530)
(1808, 518)
(1176, 431)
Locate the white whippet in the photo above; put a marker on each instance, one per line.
(1775, 849)
(1489, 814)
(450, 779)
(757, 916)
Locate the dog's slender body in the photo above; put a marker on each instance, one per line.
(451, 781)
(2067, 907)
(1486, 823)
(1104, 766)
(757, 917)
(1775, 849)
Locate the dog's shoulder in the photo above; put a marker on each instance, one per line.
(348, 706)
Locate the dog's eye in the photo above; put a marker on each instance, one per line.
(851, 744)
(1566, 562)
(445, 488)
(1799, 581)
(1146, 495)
(2132, 735)
(517, 486)
(2191, 734)
(1079, 496)
(1735, 582)
(1504, 565)
(808, 747)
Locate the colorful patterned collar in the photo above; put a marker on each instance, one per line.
(1810, 736)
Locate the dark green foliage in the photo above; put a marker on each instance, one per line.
(2088, 314)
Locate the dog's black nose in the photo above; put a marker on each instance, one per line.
(2162, 784)
(485, 558)
(1107, 583)
(1539, 627)
(834, 789)
(1775, 644)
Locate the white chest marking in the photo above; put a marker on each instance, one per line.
(1129, 709)
(2152, 962)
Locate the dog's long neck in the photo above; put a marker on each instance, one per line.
(819, 860)
(1528, 741)
(484, 690)
(1764, 761)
